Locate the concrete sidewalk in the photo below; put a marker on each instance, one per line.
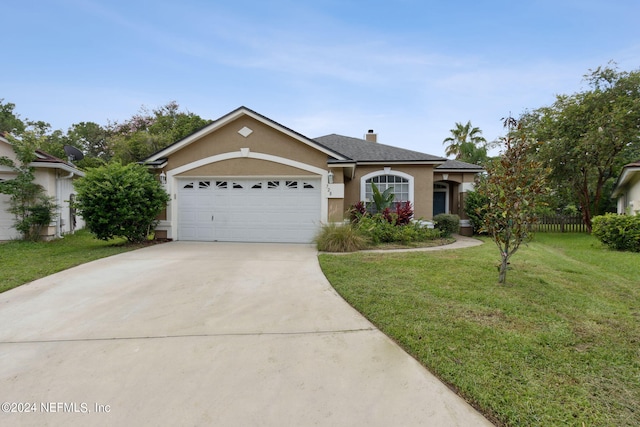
(221, 334)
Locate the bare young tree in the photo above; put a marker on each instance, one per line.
(514, 183)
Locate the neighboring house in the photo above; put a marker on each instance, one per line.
(627, 189)
(56, 177)
(245, 177)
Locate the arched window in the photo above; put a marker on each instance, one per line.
(401, 183)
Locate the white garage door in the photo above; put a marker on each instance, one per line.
(248, 210)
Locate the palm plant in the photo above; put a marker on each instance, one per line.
(382, 200)
(465, 142)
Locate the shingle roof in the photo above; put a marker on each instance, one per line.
(458, 165)
(44, 157)
(361, 150)
(46, 160)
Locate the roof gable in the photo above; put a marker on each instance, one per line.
(363, 151)
(230, 117)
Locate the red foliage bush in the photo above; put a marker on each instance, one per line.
(404, 212)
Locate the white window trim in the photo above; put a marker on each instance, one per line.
(386, 171)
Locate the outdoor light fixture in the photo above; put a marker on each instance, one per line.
(330, 177)
(163, 178)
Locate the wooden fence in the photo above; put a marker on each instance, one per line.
(561, 224)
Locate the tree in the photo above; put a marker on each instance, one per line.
(118, 200)
(147, 132)
(90, 138)
(32, 209)
(590, 135)
(513, 185)
(9, 121)
(467, 144)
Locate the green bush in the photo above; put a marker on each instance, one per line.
(339, 238)
(475, 208)
(38, 217)
(448, 224)
(118, 200)
(378, 230)
(620, 232)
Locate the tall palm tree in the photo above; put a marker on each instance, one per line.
(464, 139)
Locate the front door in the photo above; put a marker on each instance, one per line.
(439, 202)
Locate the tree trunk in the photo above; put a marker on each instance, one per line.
(585, 201)
(502, 278)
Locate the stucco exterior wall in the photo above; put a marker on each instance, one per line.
(263, 139)
(633, 194)
(423, 186)
(457, 177)
(7, 231)
(337, 210)
(245, 167)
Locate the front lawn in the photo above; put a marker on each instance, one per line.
(559, 345)
(23, 262)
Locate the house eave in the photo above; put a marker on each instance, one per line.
(624, 178)
(348, 166)
(156, 164)
(459, 170)
(61, 166)
(398, 162)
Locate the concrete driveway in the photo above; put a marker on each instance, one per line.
(197, 334)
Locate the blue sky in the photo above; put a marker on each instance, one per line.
(409, 69)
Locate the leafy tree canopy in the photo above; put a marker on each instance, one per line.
(588, 136)
(9, 121)
(129, 141)
(148, 132)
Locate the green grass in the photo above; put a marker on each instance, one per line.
(22, 262)
(559, 345)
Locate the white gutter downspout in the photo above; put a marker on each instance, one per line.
(58, 200)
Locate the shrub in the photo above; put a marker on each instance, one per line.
(448, 224)
(620, 232)
(357, 211)
(378, 230)
(402, 213)
(475, 208)
(120, 201)
(339, 238)
(38, 216)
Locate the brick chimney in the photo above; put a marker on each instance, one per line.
(371, 136)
